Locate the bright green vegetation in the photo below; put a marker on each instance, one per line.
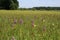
(46, 25)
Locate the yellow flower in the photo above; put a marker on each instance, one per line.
(53, 24)
(35, 25)
(43, 20)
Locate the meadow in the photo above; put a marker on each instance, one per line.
(29, 25)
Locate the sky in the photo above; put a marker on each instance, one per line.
(38, 3)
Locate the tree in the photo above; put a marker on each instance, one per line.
(9, 4)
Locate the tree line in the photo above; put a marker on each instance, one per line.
(41, 8)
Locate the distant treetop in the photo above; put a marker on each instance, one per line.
(9, 4)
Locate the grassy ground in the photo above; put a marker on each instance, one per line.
(29, 25)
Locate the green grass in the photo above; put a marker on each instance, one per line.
(46, 25)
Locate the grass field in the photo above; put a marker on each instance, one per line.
(29, 25)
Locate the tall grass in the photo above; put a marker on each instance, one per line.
(29, 25)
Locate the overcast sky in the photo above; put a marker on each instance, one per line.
(34, 3)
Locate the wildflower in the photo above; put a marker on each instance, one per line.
(33, 24)
(44, 28)
(43, 20)
(13, 38)
(53, 24)
(21, 21)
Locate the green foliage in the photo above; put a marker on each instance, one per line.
(8, 4)
(13, 5)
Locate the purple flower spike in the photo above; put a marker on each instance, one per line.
(44, 28)
(21, 21)
(32, 23)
